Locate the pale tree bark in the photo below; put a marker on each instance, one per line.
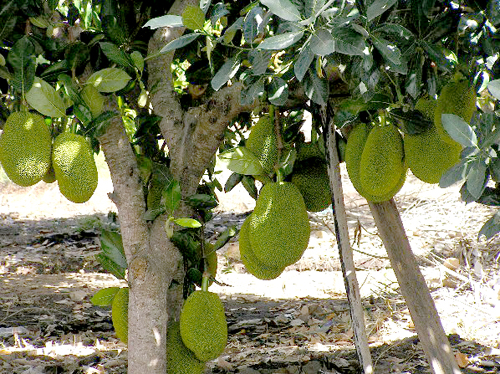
(192, 137)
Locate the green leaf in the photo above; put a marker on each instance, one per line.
(278, 91)
(259, 60)
(252, 92)
(322, 43)
(177, 43)
(111, 266)
(454, 174)
(494, 88)
(44, 99)
(109, 79)
(24, 76)
(172, 196)
(283, 8)
(388, 50)
(241, 160)
(21, 52)
(115, 54)
(301, 66)
(395, 29)
(201, 201)
(281, 41)
(138, 60)
(459, 130)
(223, 238)
(204, 5)
(225, 73)
(193, 17)
(477, 176)
(491, 227)
(233, 180)
(151, 214)
(349, 42)
(249, 183)
(164, 21)
(188, 222)
(316, 88)
(378, 7)
(251, 24)
(70, 88)
(104, 297)
(112, 247)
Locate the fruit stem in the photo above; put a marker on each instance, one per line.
(205, 281)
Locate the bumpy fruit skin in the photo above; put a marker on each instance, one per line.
(457, 98)
(75, 167)
(50, 176)
(180, 360)
(25, 148)
(354, 150)
(309, 150)
(262, 142)
(311, 178)
(119, 314)
(203, 325)
(255, 267)
(279, 225)
(382, 160)
(427, 155)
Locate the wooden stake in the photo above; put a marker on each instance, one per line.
(346, 257)
(414, 289)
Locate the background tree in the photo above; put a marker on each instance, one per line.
(177, 81)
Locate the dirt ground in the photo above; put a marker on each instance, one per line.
(298, 323)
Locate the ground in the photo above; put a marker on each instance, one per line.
(298, 323)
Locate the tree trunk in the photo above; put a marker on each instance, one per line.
(414, 289)
(152, 259)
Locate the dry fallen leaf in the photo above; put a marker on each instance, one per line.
(462, 360)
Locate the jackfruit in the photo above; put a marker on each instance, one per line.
(311, 178)
(382, 161)
(263, 143)
(279, 225)
(119, 314)
(427, 155)
(309, 150)
(457, 98)
(212, 262)
(354, 150)
(75, 167)
(25, 148)
(203, 325)
(254, 266)
(180, 360)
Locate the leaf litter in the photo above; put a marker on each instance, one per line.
(298, 323)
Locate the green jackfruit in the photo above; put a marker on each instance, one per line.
(311, 178)
(309, 150)
(262, 142)
(203, 325)
(427, 155)
(180, 360)
(457, 98)
(354, 150)
(254, 266)
(119, 314)
(25, 148)
(75, 167)
(382, 161)
(279, 225)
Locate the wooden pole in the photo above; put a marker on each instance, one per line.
(414, 289)
(346, 257)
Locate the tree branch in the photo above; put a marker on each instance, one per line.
(128, 194)
(204, 133)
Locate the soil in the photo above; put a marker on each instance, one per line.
(298, 323)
